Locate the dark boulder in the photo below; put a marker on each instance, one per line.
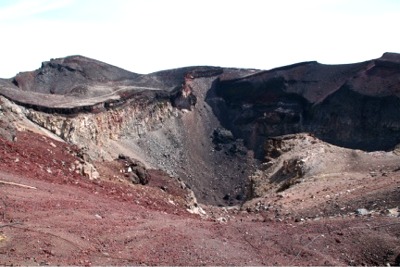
(134, 170)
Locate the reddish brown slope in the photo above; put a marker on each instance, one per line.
(71, 220)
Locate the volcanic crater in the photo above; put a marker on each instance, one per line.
(304, 145)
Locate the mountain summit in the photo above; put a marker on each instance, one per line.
(201, 165)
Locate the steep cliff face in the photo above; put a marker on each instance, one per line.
(95, 131)
(195, 147)
(355, 105)
(357, 120)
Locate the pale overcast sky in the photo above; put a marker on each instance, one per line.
(150, 35)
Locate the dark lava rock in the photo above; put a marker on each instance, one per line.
(222, 136)
(353, 105)
(135, 170)
(397, 261)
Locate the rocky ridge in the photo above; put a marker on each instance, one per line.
(303, 159)
(196, 122)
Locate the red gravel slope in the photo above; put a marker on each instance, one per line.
(69, 219)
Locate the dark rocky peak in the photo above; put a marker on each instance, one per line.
(380, 78)
(393, 57)
(70, 75)
(92, 69)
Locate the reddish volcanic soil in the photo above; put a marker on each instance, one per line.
(69, 219)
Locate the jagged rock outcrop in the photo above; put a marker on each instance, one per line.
(96, 131)
(297, 158)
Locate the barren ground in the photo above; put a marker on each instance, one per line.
(69, 219)
(247, 143)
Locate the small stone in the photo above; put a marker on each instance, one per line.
(394, 212)
(164, 188)
(362, 212)
(221, 220)
(72, 167)
(95, 175)
(16, 110)
(98, 216)
(2, 237)
(196, 210)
